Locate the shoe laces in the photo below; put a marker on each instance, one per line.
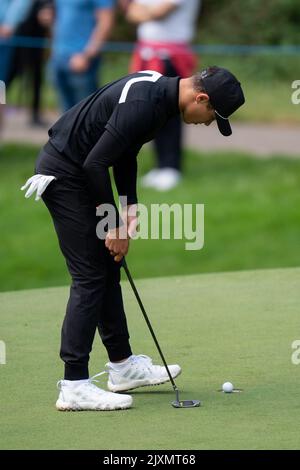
(93, 379)
(89, 382)
(143, 360)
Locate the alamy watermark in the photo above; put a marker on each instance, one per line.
(158, 221)
(2, 352)
(295, 358)
(2, 92)
(296, 94)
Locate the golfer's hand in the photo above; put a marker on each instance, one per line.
(129, 215)
(79, 63)
(117, 242)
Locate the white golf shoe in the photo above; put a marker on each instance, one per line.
(148, 180)
(137, 371)
(167, 179)
(161, 179)
(82, 395)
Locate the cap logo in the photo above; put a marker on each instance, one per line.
(204, 74)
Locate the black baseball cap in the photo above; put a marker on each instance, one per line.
(225, 95)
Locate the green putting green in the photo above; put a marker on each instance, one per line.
(236, 327)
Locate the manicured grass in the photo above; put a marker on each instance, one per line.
(227, 326)
(252, 220)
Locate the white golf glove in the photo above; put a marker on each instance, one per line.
(37, 183)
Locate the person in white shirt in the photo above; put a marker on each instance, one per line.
(165, 29)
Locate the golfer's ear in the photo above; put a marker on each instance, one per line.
(202, 98)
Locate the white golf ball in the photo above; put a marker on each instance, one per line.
(227, 387)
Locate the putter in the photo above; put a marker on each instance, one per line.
(177, 403)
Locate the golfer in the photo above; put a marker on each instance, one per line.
(108, 129)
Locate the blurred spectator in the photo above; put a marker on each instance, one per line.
(12, 13)
(81, 28)
(29, 61)
(165, 30)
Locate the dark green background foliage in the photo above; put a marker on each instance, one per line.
(251, 22)
(235, 22)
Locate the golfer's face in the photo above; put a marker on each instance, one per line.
(199, 113)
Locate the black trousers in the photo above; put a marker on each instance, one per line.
(95, 295)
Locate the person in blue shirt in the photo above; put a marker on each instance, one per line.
(12, 13)
(81, 28)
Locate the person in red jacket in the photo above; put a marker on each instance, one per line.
(165, 29)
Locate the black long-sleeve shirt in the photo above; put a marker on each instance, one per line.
(108, 128)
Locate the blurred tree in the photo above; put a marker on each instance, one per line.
(256, 22)
(236, 22)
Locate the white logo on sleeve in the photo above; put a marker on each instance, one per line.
(152, 77)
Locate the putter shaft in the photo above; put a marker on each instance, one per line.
(124, 264)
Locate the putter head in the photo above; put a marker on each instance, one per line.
(186, 403)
